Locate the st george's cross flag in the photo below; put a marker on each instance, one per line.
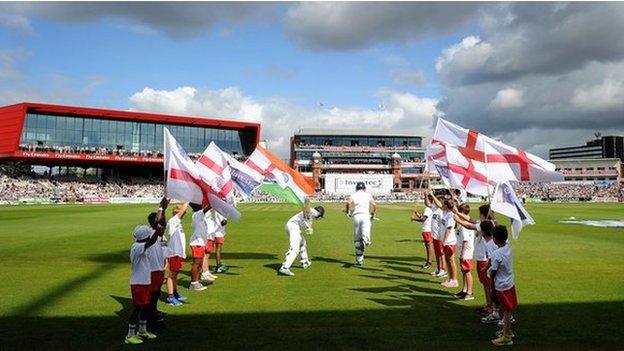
(213, 166)
(457, 171)
(184, 182)
(506, 202)
(227, 172)
(279, 179)
(502, 162)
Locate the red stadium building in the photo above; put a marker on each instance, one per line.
(108, 140)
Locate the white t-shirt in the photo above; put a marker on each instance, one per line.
(465, 243)
(480, 248)
(300, 221)
(200, 229)
(490, 247)
(447, 221)
(426, 226)
(436, 216)
(361, 202)
(156, 256)
(141, 272)
(177, 238)
(215, 228)
(501, 262)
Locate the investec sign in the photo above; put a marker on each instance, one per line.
(345, 183)
(350, 183)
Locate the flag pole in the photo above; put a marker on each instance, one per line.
(487, 172)
(424, 175)
(487, 178)
(165, 158)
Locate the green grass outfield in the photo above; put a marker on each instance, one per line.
(65, 269)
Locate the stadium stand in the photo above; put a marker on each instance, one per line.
(61, 189)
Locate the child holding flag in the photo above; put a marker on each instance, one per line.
(438, 247)
(176, 253)
(465, 242)
(483, 228)
(219, 240)
(449, 239)
(501, 273)
(141, 277)
(429, 220)
(156, 258)
(198, 244)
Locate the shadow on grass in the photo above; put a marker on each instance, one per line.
(117, 257)
(123, 256)
(399, 263)
(346, 264)
(383, 289)
(126, 305)
(392, 277)
(248, 256)
(408, 241)
(404, 269)
(186, 272)
(411, 323)
(404, 259)
(408, 289)
(273, 266)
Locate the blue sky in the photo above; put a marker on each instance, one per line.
(259, 59)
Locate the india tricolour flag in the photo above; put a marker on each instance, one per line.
(279, 179)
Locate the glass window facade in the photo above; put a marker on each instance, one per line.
(125, 135)
(334, 155)
(386, 141)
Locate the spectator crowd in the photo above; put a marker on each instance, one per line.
(570, 191)
(83, 189)
(101, 151)
(71, 189)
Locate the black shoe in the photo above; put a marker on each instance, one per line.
(461, 294)
(427, 265)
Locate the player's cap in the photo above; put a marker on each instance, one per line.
(360, 186)
(320, 210)
(142, 232)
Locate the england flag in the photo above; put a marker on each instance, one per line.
(501, 161)
(213, 167)
(185, 183)
(458, 171)
(506, 202)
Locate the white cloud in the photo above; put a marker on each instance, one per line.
(539, 141)
(328, 26)
(9, 59)
(177, 20)
(16, 22)
(280, 118)
(608, 95)
(469, 54)
(508, 98)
